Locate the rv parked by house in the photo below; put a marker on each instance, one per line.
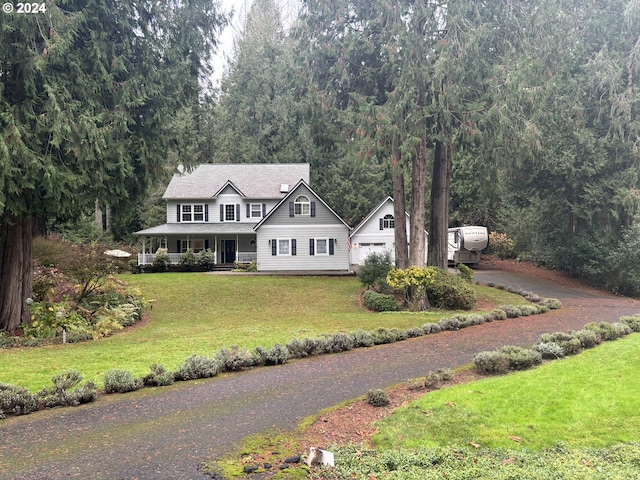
(466, 244)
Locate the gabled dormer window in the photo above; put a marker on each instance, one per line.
(193, 212)
(302, 205)
(387, 222)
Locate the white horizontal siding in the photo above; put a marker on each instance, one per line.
(302, 261)
(214, 208)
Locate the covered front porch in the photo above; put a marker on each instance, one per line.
(227, 246)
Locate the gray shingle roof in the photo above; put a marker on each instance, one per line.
(261, 180)
(235, 228)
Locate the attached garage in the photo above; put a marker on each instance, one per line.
(363, 250)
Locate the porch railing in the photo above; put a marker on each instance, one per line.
(174, 258)
(247, 257)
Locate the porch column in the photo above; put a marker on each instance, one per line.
(215, 249)
(144, 250)
(237, 247)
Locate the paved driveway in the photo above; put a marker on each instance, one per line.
(165, 433)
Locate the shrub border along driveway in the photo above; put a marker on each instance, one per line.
(167, 432)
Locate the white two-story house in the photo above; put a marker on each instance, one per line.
(228, 208)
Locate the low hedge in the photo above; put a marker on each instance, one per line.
(380, 302)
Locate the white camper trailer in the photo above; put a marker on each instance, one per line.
(466, 244)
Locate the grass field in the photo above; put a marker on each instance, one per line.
(195, 313)
(590, 400)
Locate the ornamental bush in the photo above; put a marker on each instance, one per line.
(67, 391)
(380, 302)
(570, 344)
(188, 259)
(373, 272)
(303, 348)
(16, 400)
(276, 355)
(521, 358)
(158, 376)
(362, 338)
(450, 323)
(206, 258)
(632, 321)
(494, 363)
(431, 328)
(120, 381)
(499, 314)
(587, 338)
(551, 303)
(197, 366)
(232, 359)
(502, 245)
(377, 398)
(388, 335)
(549, 351)
(338, 342)
(161, 261)
(605, 330)
(511, 311)
(451, 292)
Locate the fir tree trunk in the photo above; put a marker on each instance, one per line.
(418, 195)
(439, 221)
(400, 225)
(16, 270)
(107, 218)
(98, 216)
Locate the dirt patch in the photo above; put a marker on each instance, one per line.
(354, 423)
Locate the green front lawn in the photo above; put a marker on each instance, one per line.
(198, 313)
(590, 400)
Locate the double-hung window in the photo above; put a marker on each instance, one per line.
(256, 210)
(283, 246)
(322, 246)
(192, 212)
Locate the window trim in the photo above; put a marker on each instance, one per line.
(229, 212)
(188, 212)
(299, 206)
(326, 245)
(388, 221)
(258, 207)
(278, 251)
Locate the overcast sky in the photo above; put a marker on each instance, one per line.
(226, 39)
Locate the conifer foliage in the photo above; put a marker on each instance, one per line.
(87, 92)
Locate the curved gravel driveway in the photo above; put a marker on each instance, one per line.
(165, 433)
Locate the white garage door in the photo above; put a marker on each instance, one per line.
(365, 249)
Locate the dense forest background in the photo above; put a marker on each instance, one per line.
(537, 100)
(521, 115)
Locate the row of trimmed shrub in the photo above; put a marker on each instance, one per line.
(65, 392)
(553, 346)
(230, 359)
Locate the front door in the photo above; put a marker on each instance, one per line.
(228, 251)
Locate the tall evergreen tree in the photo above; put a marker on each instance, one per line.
(86, 92)
(259, 117)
